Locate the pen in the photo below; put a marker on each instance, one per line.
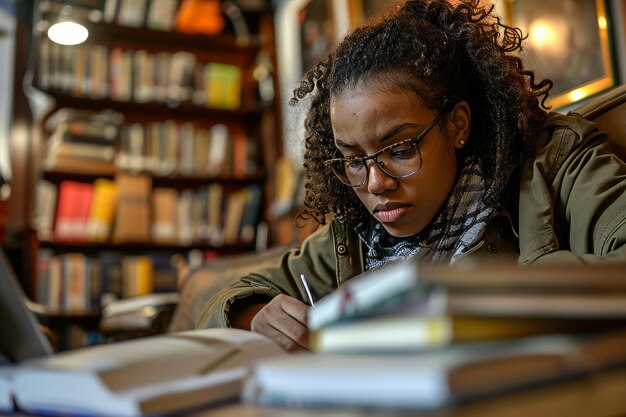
(305, 284)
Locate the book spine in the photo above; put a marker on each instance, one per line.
(102, 210)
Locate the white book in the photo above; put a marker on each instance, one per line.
(132, 13)
(219, 135)
(154, 375)
(184, 225)
(555, 290)
(132, 305)
(364, 292)
(427, 380)
(46, 199)
(110, 10)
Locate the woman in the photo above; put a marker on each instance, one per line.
(427, 137)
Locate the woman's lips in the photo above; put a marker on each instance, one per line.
(390, 214)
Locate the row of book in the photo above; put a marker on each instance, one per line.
(77, 283)
(97, 72)
(153, 14)
(166, 15)
(166, 148)
(99, 143)
(128, 210)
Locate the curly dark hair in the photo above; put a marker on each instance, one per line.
(444, 53)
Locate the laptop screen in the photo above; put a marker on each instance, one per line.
(20, 335)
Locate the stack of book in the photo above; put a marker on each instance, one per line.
(409, 306)
(421, 337)
(82, 141)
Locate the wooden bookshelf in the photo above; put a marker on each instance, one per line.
(151, 111)
(94, 248)
(244, 114)
(167, 181)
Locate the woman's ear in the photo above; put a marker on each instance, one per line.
(459, 123)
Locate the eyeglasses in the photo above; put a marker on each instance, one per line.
(397, 161)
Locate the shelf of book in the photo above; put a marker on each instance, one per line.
(159, 145)
(137, 73)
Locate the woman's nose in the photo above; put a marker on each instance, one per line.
(378, 181)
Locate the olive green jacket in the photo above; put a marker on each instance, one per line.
(572, 208)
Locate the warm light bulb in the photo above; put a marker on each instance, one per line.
(68, 33)
(542, 33)
(577, 94)
(602, 22)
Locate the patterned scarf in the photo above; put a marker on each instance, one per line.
(458, 226)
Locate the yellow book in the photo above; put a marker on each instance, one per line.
(102, 210)
(223, 85)
(413, 331)
(137, 274)
(145, 275)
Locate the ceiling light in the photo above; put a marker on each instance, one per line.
(68, 33)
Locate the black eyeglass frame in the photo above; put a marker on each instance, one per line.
(363, 159)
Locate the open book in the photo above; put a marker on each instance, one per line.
(153, 375)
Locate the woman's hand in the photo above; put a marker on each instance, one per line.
(283, 320)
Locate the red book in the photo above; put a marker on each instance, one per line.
(240, 154)
(72, 211)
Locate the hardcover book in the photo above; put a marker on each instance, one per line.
(154, 375)
(407, 306)
(435, 379)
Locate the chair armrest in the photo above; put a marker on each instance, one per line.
(203, 283)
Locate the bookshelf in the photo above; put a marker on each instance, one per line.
(170, 132)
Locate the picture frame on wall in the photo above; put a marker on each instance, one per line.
(306, 30)
(568, 42)
(317, 31)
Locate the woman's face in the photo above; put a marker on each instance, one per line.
(368, 118)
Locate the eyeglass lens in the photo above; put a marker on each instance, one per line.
(396, 161)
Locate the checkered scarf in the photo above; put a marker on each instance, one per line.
(457, 227)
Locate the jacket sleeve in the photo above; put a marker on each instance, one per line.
(315, 259)
(580, 187)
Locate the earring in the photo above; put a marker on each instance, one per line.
(462, 143)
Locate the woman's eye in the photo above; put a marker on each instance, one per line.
(354, 164)
(403, 151)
